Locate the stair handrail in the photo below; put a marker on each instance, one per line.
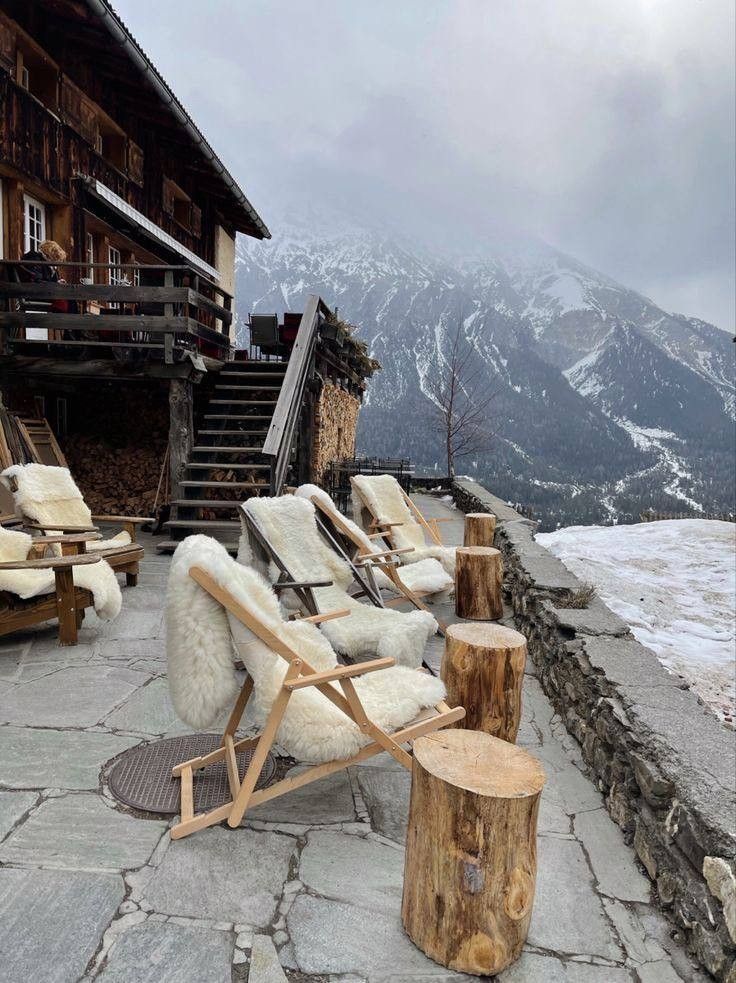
(280, 434)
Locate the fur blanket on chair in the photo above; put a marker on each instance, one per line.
(426, 575)
(290, 526)
(46, 494)
(202, 637)
(382, 493)
(98, 578)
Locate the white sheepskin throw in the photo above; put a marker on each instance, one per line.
(290, 526)
(46, 495)
(98, 578)
(200, 638)
(381, 493)
(427, 575)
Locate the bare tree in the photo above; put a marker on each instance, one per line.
(460, 399)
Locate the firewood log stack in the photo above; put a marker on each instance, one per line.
(115, 480)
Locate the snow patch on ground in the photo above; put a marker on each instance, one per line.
(674, 583)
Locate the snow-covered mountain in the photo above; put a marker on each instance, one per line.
(604, 404)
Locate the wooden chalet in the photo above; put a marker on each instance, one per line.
(128, 348)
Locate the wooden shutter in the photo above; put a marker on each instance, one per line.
(88, 121)
(195, 224)
(71, 104)
(135, 163)
(167, 202)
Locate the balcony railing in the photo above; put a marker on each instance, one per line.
(163, 310)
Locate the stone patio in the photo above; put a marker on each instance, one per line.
(309, 888)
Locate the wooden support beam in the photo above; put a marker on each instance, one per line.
(181, 431)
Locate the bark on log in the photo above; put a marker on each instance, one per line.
(480, 528)
(478, 580)
(483, 670)
(471, 851)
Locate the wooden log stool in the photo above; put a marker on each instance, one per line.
(483, 670)
(478, 580)
(471, 850)
(480, 528)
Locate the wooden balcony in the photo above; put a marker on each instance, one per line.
(164, 313)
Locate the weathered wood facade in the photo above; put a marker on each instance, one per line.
(97, 154)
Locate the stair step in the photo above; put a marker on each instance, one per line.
(232, 416)
(225, 449)
(223, 484)
(239, 374)
(253, 389)
(243, 402)
(231, 433)
(203, 524)
(169, 545)
(211, 466)
(204, 503)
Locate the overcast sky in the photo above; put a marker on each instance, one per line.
(605, 127)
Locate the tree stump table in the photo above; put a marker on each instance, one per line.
(471, 850)
(483, 670)
(478, 580)
(480, 528)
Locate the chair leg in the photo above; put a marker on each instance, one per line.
(66, 606)
(131, 579)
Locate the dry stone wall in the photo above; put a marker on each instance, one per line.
(665, 764)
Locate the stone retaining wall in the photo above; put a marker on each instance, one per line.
(665, 764)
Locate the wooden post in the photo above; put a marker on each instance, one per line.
(483, 670)
(480, 528)
(181, 430)
(471, 851)
(478, 580)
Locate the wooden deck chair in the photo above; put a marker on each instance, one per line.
(48, 500)
(295, 550)
(35, 589)
(411, 583)
(383, 510)
(325, 715)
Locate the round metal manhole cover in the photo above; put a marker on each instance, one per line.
(141, 777)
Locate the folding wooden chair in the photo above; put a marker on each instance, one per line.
(371, 555)
(385, 511)
(299, 676)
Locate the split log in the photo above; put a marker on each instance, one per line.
(480, 528)
(478, 580)
(483, 670)
(471, 851)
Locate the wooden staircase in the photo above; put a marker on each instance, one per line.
(226, 464)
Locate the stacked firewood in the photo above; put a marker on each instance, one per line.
(115, 480)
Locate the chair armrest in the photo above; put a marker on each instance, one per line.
(291, 584)
(444, 518)
(339, 672)
(137, 520)
(317, 619)
(404, 549)
(389, 525)
(52, 562)
(77, 537)
(374, 561)
(59, 526)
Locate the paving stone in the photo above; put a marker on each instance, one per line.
(640, 946)
(386, 796)
(47, 651)
(330, 800)
(82, 833)
(152, 953)
(533, 967)
(264, 962)
(658, 972)
(132, 624)
(12, 807)
(51, 922)
(78, 696)
(576, 792)
(147, 711)
(332, 937)
(351, 869)
(568, 917)
(31, 758)
(223, 874)
(552, 816)
(612, 861)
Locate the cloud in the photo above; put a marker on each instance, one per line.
(607, 129)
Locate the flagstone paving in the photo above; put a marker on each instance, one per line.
(308, 888)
